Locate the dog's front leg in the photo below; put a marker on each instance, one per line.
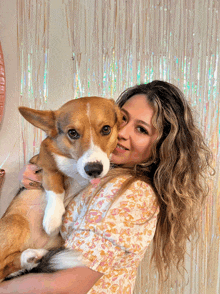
(53, 184)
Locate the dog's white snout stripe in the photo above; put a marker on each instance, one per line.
(94, 162)
(90, 126)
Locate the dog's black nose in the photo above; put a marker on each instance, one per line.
(93, 169)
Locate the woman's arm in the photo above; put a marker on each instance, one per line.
(77, 280)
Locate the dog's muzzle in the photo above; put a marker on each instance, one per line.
(93, 169)
(94, 163)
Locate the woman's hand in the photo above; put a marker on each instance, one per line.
(31, 177)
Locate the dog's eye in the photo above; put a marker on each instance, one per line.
(106, 130)
(73, 134)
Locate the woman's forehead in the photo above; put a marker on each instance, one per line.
(139, 105)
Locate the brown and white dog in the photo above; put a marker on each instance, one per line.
(81, 136)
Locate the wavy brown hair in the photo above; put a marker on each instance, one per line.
(176, 170)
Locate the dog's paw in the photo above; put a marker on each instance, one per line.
(52, 225)
(30, 258)
(53, 217)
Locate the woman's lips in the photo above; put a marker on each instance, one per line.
(121, 149)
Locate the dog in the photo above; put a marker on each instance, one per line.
(81, 135)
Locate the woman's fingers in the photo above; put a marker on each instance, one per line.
(29, 184)
(31, 177)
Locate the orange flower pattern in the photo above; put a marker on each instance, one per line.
(112, 241)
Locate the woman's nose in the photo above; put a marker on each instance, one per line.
(124, 132)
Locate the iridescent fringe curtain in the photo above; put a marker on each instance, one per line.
(116, 44)
(33, 48)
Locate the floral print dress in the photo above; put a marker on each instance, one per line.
(112, 243)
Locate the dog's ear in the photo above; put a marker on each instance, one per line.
(118, 113)
(43, 119)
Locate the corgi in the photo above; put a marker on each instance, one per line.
(81, 135)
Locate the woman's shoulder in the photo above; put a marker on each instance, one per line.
(136, 184)
(137, 202)
(131, 190)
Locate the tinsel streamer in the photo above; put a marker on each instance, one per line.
(117, 44)
(33, 49)
(2, 83)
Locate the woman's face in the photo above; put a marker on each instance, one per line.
(137, 133)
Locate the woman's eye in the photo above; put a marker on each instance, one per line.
(142, 130)
(124, 120)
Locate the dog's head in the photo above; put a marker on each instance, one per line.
(84, 130)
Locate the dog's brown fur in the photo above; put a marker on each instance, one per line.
(21, 228)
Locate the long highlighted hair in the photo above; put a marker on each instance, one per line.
(177, 170)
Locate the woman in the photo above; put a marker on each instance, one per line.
(155, 191)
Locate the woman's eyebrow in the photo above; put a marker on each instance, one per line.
(138, 121)
(144, 123)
